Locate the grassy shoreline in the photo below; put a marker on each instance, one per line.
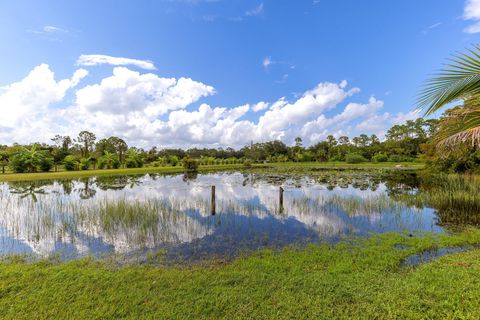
(207, 168)
(360, 279)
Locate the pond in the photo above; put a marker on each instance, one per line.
(177, 217)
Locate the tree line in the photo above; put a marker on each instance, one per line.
(415, 140)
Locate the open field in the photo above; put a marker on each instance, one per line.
(178, 169)
(362, 279)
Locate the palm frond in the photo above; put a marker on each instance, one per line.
(459, 80)
(462, 128)
(467, 136)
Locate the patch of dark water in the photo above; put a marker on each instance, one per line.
(430, 255)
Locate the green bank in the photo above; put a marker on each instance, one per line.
(204, 168)
(357, 278)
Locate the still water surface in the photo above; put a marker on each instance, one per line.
(136, 216)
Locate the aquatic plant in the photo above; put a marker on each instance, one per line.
(455, 197)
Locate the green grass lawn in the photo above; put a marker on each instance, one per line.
(108, 172)
(360, 279)
(9, 176)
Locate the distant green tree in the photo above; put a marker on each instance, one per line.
(4, 156)
(86, 140)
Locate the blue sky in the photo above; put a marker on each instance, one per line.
(318, 66)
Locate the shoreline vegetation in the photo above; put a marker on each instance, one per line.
(356, 278)
(63, 174)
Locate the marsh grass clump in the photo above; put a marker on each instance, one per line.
(137, 223)
(455, 197)
(370, 205)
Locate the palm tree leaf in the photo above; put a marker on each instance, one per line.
(466, 136)
(459, 80)
(463, 127)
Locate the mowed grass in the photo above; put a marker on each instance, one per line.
(9, 176)
(355, 279)
(109, 172)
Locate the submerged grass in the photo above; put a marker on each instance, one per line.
(357, 278)
(455, 197)
(369, 205)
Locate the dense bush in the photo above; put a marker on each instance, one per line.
(380, 157)
(26, 160)
(400, 158)
(173, 160)
(108, 161)
(18, 164)
(133, 160)
(355, 158)
(190, 164)
(133, 163)
(337, 158)
(84, 163)
(45, 163)
(247, 163)
(458, 162)
(70, 163)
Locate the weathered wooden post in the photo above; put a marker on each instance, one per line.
(280, 198)
(213, 200)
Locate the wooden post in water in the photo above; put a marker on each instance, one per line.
(280, 199)
(213, 200)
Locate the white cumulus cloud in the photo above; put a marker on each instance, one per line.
(25, 104)
(472, 12)
(148, 110)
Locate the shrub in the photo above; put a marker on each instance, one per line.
(247, 163)
(173, 160)
(337, 157)
(70, 163)
(45, 163)
(30, 160)
(18, 164)
(355, 158)
(116, 163)
(380, 157)
(84, 163)
(133, 160)
(108, 161)
(400, 158)
(133, 163)
(190, 164)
